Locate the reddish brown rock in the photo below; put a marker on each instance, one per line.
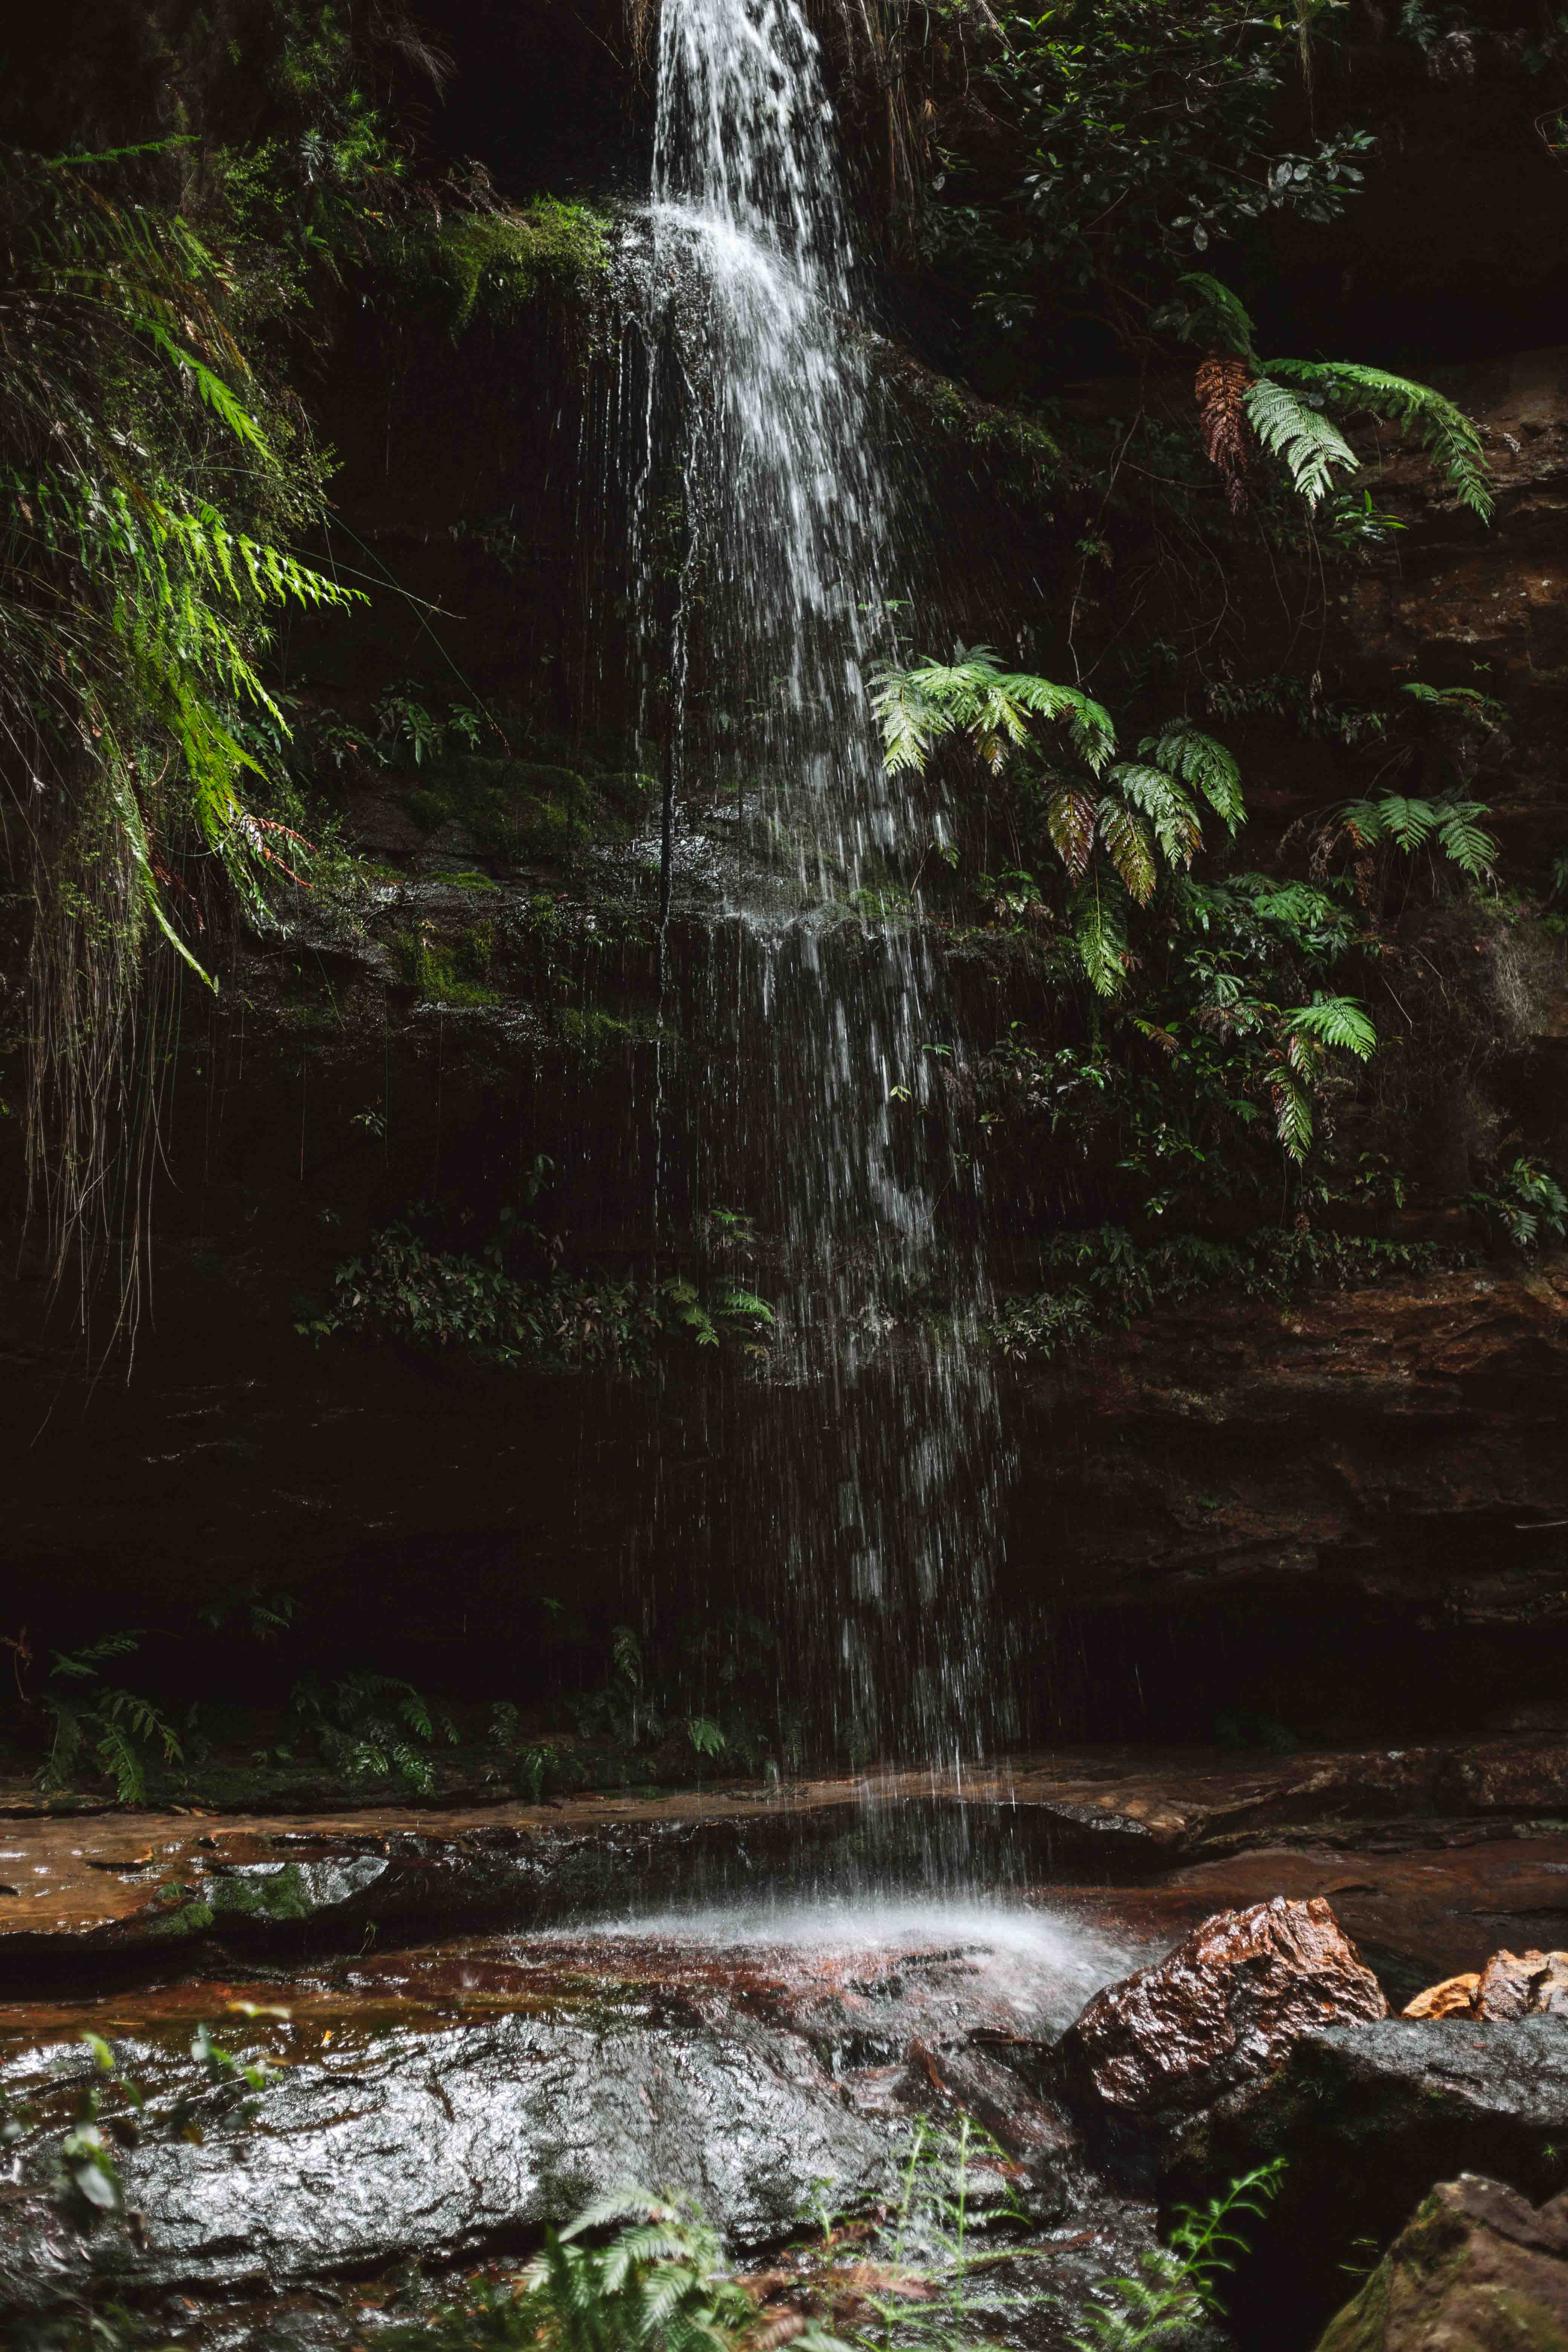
(1153, 2051)
(1479, 2268)
(1511, 1984)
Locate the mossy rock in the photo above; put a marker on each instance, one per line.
(519, 810)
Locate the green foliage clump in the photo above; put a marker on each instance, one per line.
(371, 1725)
(120, 1728)
(1527, 1206)
(150, 486)
(1103, 1280)
(1289, 401)
(1145, 130)
(406, 1290)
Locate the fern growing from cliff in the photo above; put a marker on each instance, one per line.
(1117, 829)
(145, 501)
(1288, 402)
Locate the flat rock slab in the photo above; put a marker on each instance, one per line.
(450, 2102)
(140, 1881)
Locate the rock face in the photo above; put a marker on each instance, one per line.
(1512, 1984)
(1149, 2053)
(1477, 2269)
(1367, 2116)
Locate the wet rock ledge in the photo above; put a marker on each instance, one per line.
(1433, 1854)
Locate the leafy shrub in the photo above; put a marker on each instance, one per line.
(372, 1726)
(121, 1727)
(1104, 1279)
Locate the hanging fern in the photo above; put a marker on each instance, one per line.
(1411, 824)
(1335, 1021)
(1309, 441)
(916, 708)
(1206, 313)
(1446, 434)
(1100, 934)
(1202, 763)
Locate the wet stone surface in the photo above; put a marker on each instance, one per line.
(445, 2103)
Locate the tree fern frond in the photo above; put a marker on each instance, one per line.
(1465, 840)
(1069, 821)
(1447, 435)
(1099, 933)
(1293, 1112)
(1178, 828)
(1409, 823)
(1338, 1021)
(1211, 315)
(1201, 761)
(1129, 847)
(1309, 440)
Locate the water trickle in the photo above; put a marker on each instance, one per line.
(864, 1513)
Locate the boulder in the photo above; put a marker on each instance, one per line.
(1479, 2268)
(1367, 2118)
(1512, 1984)
(1155, 2050)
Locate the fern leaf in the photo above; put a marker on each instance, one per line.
(1464, 840)
(1099, 933)
(1293, 1112)
(1211, 315)
(1069, 821)
(1341, 1020)
(1410, 822)
(1364, 822)
(1128, 846)
(1202, 763)
(1447, 435)
(1178, 828)
(1309, 440)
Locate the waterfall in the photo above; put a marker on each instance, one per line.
(864, 1505)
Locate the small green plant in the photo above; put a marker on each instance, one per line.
(374, 1726)
(1527, 1205)
(1178, 2286)
(118, 1726)
(658, 2286)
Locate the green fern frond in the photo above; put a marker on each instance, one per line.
(1178, 828)
(1129, 847)
(1447, 435)
(1464, 840)
(1202, 763)
(1100, 934)
(1293, 1112)
(916, 708)
(1341, 1020)
(1211, 316)
(1307, 438)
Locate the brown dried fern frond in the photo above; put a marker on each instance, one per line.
(1221, 386)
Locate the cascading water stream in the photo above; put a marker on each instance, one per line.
(867, 1509)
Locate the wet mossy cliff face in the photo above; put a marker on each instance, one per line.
(447, 1336)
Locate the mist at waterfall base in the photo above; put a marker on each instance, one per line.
(806, 1041)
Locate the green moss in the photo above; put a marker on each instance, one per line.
(522, 810)
(492, 265)
(447, 968)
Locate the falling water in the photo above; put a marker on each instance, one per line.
(867, 1507)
